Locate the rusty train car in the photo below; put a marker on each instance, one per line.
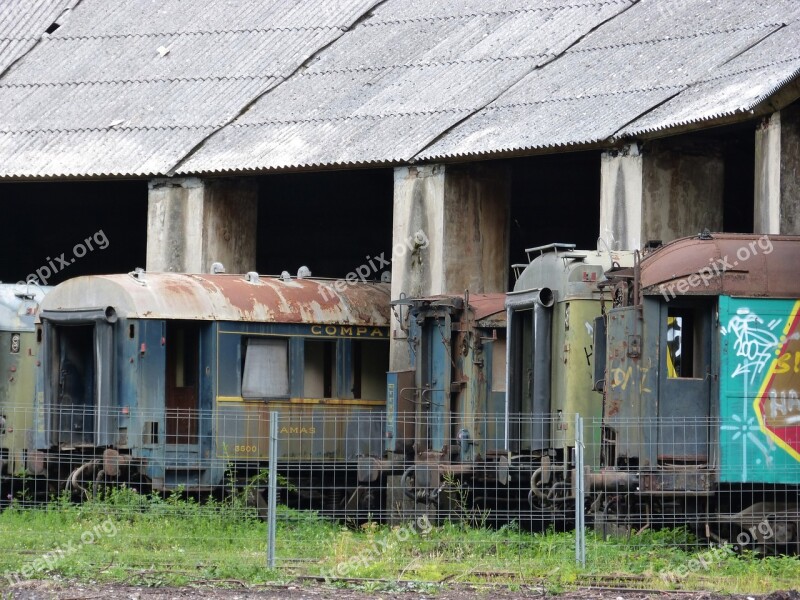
(478, 425)
(701, 417)
(166, 382)
(19, 304)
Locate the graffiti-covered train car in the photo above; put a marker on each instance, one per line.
(168, 380)
(701, 402)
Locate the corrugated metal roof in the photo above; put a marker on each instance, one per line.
(398, 80)
(23, 23)
(130, 88)
(736, 87)
(163, 87)
(632, 76)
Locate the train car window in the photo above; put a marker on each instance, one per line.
(185, 355)
(266, 369)
(680, 343)
(499, 365)
(319, 368)
(370, 361)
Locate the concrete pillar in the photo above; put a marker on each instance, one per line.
(667, 191)
(777, 174)
(450, 234)
(192, 223)
(621, 198)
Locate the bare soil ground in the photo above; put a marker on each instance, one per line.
(43, 589)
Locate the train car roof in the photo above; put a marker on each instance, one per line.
(18, 305)
(489, 309)
(224, 298)
(569, 273)
(730, 264)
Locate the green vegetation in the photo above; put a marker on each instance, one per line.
(148, 540)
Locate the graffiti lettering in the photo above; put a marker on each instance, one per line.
(784, 408)
(753, 344)
(620, 378)
(784, 363)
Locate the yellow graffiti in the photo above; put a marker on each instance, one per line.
(620, 378)
(784, 363)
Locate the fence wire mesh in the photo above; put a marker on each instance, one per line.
(416, 496)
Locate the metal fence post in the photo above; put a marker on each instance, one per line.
(272, 492)
(580, 530)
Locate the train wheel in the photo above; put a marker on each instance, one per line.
(255, 499)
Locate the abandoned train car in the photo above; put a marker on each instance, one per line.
(701, 411)
(168, 380)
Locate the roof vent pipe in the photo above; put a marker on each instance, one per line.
(251, 277)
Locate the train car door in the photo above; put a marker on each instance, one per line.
(435, 376)
(76, 390)
(686, 378)
(182, 382)
(79, 396)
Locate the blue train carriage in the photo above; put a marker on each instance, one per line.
(167, 381)
(19, 304)
(551, 375)
(701, 406)
(442, 425)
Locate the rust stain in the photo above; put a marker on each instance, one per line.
(731, 264)
(483, 306)
(231, 297)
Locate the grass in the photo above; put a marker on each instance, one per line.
(147, 540)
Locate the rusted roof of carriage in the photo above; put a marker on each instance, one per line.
(225, 298)
(164, 87)
(725, 263)
(482, 306)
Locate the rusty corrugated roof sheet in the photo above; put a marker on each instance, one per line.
(225, 298)
(162, 87)
(727, 263)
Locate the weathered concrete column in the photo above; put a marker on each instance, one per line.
(621, 198)
(665, 191)
(450, 234)
(777, 174)
(192, 223)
